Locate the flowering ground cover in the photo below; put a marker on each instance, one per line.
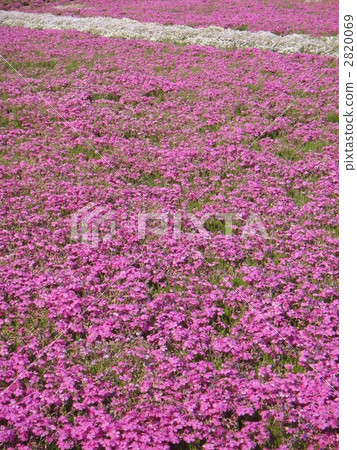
(213, 342)
(218, 37)
(278, 16)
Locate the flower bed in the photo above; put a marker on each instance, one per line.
(158, 342)
(175, 34)
(278, 16)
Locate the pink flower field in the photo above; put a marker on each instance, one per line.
(114, 336)
(317, 18)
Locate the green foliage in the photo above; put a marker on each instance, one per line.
(106, 96)
(211, 128)
(314, 146)
(278, 363)
(4, 122)
(73, 66)
(243, 27)
(230, 316)
(332, 116)
(153, 178)
(158, 93)
(89, 152)
(14, 122)
(300, 198)
(289, 154)
(40, 64)
(215, 226)
(238, 281)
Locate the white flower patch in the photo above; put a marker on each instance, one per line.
(176, 34)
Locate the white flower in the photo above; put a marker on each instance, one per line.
(211, 36)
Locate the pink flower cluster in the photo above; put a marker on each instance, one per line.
(278, 16)
(157, 343)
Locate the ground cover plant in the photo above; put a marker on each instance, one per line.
(139, 342)
(277, 16)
